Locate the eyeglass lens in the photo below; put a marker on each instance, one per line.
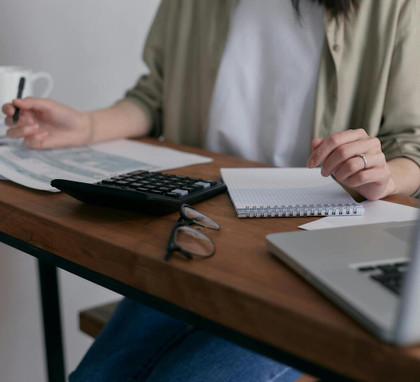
(193, 241)
(198, 218)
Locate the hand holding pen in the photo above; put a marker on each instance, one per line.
(19, 95)
(45, 123)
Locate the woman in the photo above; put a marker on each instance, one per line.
(321, 83)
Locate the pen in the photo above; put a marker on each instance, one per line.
(19, 95)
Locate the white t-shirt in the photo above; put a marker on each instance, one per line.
(264, 93)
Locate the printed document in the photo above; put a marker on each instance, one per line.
(36, 168)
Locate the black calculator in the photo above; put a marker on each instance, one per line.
(149, 192)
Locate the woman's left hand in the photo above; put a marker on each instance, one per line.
(356, 160)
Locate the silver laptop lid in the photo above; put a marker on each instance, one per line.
(326, 258)
(407, 328)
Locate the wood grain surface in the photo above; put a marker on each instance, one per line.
(242, 286)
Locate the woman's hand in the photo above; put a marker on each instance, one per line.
(340, 155)
(44, 123)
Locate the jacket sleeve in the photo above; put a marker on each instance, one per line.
(148, 91)
(400, 128)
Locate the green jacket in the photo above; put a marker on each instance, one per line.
(369, 74)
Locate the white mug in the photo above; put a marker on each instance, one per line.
(9, 82)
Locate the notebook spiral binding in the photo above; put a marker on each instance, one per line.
(300, 210)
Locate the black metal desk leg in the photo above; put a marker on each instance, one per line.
(52, 321)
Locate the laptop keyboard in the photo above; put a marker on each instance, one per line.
(389, 275)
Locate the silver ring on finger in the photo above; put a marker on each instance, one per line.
(365, 162)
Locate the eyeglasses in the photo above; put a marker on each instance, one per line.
(189, 241)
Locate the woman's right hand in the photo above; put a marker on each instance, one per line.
(44, 123)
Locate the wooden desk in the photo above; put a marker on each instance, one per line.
(242, 292)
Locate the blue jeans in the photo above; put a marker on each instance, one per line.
(142, 344)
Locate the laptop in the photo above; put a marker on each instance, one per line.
(370, 271)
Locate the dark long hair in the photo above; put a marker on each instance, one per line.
(336, 7)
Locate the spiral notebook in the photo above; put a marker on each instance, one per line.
(283, 192)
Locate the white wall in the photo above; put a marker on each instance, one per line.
(93, 50)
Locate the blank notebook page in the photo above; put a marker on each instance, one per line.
(263, 188)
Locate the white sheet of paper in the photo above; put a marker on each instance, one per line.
(36, 168)
(3, 127)
(377, 211)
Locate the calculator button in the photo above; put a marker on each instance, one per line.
(121, 182)
(202, 184)
(180, 191)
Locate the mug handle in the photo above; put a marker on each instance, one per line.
(48, 78)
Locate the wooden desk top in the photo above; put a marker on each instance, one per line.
(242, 286)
